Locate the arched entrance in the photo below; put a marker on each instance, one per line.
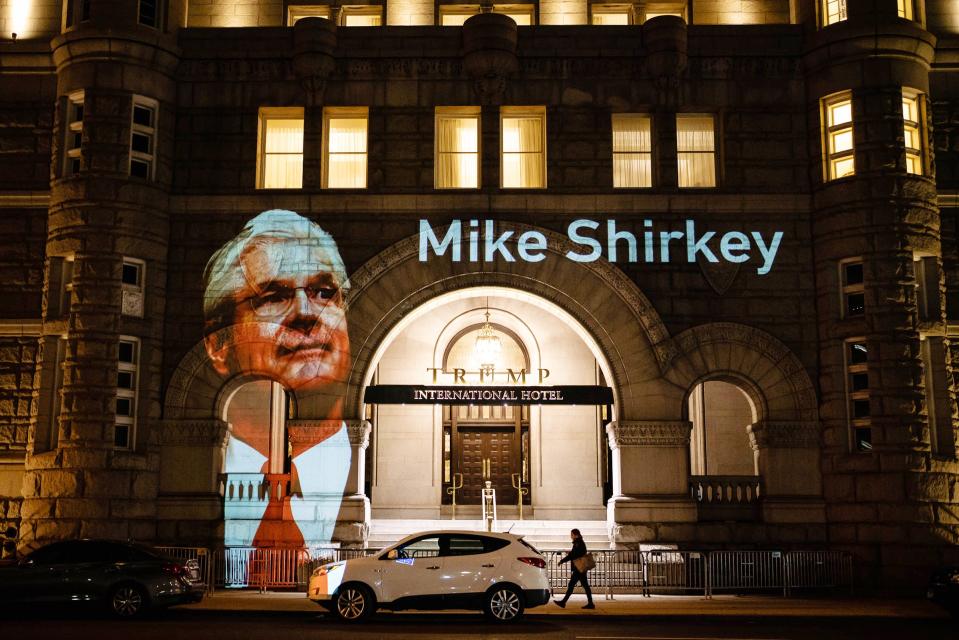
(554, 454)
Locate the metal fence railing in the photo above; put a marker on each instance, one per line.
(707, 572)
(663, 571)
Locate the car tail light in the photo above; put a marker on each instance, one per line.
(539, 563)
(175, 570)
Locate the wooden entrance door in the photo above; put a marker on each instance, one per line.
(487, 453)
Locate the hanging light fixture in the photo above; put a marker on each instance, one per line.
(488, 347)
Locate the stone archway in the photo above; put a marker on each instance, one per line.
(785, 435)
(597, 295)
(768, 371)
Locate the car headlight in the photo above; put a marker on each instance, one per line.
(954, 577)
(321, 571)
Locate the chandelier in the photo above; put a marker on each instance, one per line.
(488, 347)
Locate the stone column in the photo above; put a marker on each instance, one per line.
(650, 474)
(190, 505)
(787, 459)
(353, 525)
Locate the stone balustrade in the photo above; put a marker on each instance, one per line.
(255, 487)
(727, 497)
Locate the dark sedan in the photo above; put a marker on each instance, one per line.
(128, 578)
(944, 588)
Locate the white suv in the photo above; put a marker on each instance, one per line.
(499, 573)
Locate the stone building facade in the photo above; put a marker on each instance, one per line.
(133, 145)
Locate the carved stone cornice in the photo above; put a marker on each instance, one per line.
(191, 432)
(309, 432)
(784, 435)
(648, 434)
(359, 432)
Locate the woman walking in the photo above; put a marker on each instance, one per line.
(576, 553)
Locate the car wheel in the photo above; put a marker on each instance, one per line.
(353, 602)
(128, 601)
(504, 603)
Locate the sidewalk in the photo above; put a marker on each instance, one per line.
(633, 605)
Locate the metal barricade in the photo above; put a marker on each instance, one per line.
(818, 570)
(746, 571)
(668, 571)
(200, 555)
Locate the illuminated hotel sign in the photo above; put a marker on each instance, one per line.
(489, 395)
(483, 243)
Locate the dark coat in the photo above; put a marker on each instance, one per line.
(578, 551)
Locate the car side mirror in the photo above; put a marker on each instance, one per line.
(25, 562)
(392, 554)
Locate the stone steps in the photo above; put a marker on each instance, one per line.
(542, 534)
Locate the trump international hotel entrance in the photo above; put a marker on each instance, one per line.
(448, 412)
(483, 443)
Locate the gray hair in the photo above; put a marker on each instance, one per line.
(224, 273)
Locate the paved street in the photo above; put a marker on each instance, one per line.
(751, 619)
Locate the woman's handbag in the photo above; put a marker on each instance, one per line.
(584, 563)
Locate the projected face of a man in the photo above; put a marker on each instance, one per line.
(288, 318)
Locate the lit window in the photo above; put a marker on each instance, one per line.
(857, 394)
(128, 358)
(905, 9)
(280, 158)
(696, 150)
(610, 14)
(833, 11)
(296, 12)
(345, 137)
(454, 15)
(131, 281)
(457, 147)
(523, 142)
(632, 150)
(73, 134)
(148, 13)
(361, 16)
(143, 138)
(522, 14)
(912, 131)
(840, 149)
(853, 288)
(656, 9)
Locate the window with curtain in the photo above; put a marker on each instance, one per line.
(833, 11)
(457, 148)
(523, 144)
(361, 16)
(610, 14)
(522, 14)
(665, 8)
(345, 145)
(839, 144)
(905, 9)
(696, 150)
(296, 12)
(912, 131)
(632, 150)
(454, 15)
(280, 161)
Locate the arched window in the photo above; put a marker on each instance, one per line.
(719, 443)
